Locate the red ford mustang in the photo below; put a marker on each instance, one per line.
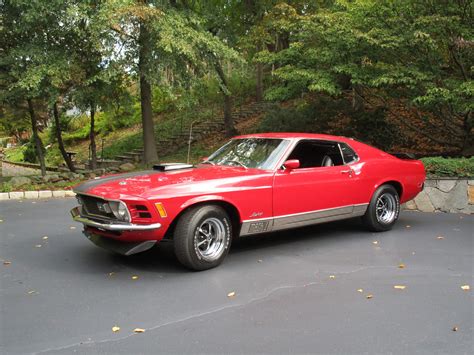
(253, 184)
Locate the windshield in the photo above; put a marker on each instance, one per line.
(260, 153)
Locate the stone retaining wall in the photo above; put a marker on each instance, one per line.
(445, 195)
(21, 169)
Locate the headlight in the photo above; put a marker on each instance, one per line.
(120, 211)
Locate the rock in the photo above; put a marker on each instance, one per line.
(446, 185)
(423, 202)
(470, 182)
(438, 198)
(471, 194)
(430, 183)
(20, 181)
(458, 198)
(91, 175)
(51, 178)
(127, 167)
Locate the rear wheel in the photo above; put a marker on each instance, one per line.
(383, 210)
(202, 237)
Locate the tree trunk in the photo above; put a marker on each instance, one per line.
(149, 145)
(36, 137)
(59, 137)
(93, 162)
(228, 121)
(259, 80)
(468, 142)
(357, 99)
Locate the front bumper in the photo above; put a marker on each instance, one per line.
(116, 227)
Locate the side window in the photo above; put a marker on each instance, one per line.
(314, 153)
(348, 154)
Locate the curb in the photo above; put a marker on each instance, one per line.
(33, 195)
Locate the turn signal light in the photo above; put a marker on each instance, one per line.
(161, 209)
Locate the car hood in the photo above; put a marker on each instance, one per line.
(148, 184)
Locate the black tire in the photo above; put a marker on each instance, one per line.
(375, 220)
(190, 244)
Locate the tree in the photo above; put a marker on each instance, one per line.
(417, 52)
(164, 36)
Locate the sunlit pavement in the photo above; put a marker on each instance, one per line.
(300, 291)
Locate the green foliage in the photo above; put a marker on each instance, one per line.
(29, 154)
(454, 167)
(319, 116)
(15, 154)
(419, 52)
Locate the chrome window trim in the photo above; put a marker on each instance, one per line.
(298, 140)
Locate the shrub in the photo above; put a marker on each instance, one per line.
(459, 167)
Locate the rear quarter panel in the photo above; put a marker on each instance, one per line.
(377, 167)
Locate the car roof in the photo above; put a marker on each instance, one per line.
(292, 135)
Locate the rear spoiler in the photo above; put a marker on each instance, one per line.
(404, 156)
(172, 166)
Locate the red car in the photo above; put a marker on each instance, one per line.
(253, 184)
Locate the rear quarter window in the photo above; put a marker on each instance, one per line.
(348, 154)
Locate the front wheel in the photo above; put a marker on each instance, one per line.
(383, 210)
(202, 237)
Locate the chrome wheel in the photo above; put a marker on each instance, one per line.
(209, 239)
(386, 208)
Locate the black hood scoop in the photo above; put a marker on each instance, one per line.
(172, 166)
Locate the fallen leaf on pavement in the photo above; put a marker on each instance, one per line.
(455, 329)
(259, 260)
(45, 237)
(111, 273)
(375, 242)
(1, 220)
(115, 329)
(72, 227)
(231, 294)
(32, 292)
(408, 226)
(38, 246)
(332, 276)
(401, 266)
(7, 263)
(369, 296)
(399, 287)
(134, 277)
(139, 330)
(466, 287)
(440, 237)
(360, 290)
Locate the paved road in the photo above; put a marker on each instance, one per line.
(295, 291)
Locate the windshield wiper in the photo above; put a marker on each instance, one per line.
(238, 162)
(208, 162)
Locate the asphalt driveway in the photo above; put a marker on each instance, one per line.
(300, 291)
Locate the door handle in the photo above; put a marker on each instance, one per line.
(350, 171)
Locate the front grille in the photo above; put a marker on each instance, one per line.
(90, 207)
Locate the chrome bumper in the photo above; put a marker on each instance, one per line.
(76, 216)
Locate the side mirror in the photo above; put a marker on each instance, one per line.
(291, 164)
(204, 159)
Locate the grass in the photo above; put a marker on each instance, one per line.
(15, 154)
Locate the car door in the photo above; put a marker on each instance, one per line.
(315, 192)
